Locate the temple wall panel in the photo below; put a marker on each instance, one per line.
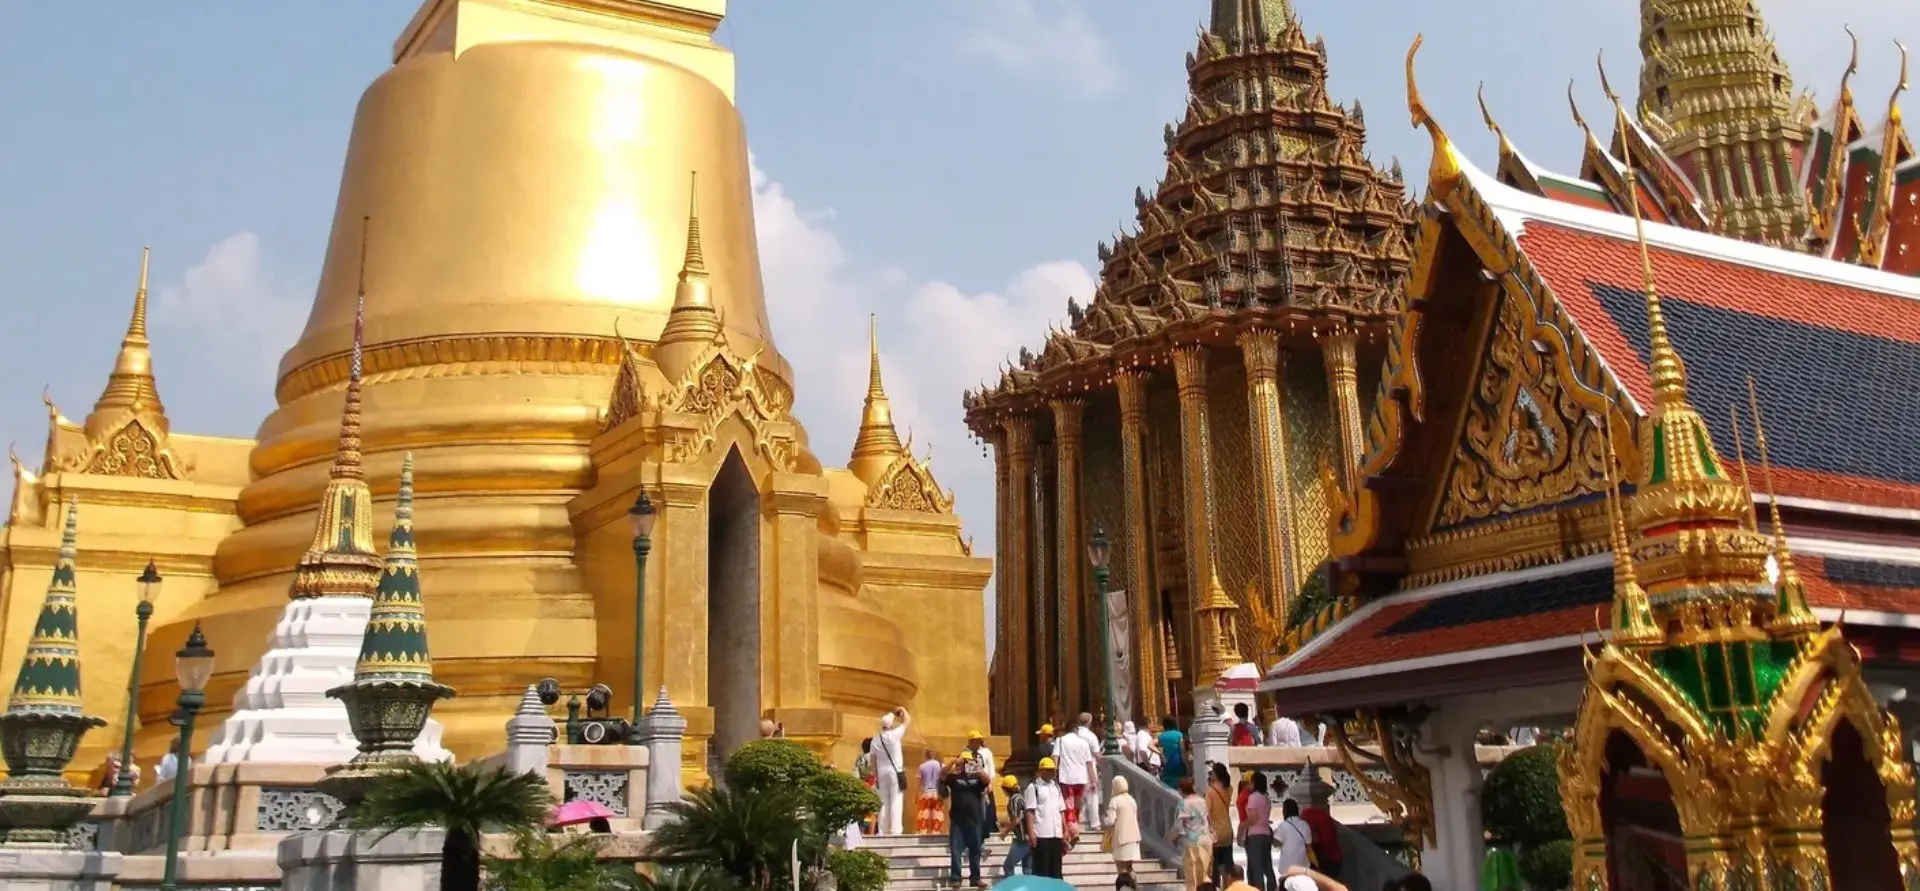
(1310, 438)
(1239, 556)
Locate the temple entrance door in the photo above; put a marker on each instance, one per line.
(733, 607)
(1854, 818)
(1646, 850)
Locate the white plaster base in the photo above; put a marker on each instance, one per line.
(52, 869)
(408, 860)
(283, 715)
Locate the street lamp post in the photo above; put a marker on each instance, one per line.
(149, 590)
(641, 518)
(192, 666)
(1098, 552)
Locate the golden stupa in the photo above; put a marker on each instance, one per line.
(564, 306)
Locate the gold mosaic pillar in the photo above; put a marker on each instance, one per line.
(1002, 690)
(1339, 349)
(1070, 600)
(1149, 647)
(1017, 536)
(1196, 462)
(1260, 352)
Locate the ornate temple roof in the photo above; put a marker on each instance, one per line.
(1269, 210)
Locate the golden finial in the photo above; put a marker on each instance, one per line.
(875, 389)
(1575, 105)
(696, 262)
(346, 459)
(1669, 376)
(1853, 67)
(1893, 102)
(1791, 613)
(1740, 456)
(137, 327)
(1606, 89)
(1632, 613)
(1445, 168)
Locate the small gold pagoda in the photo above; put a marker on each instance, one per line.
(546, 354)
(1725, 739)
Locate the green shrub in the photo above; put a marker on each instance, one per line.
(1548, 866)
(750, 836)
(771, 764)
(545, 862)
(836, 799)
(1520, 801)
(858, 870)
(688, 878)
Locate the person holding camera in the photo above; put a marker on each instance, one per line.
(890, 768)
(966, 788)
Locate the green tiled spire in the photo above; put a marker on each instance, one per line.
(49, 681)
(395, 647)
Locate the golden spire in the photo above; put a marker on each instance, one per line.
(694, 322)
(1792, 617)
(877, 445)
(1740, 457)
(1633, 624)
(131, 387)
(341, 560)
(1691, 516)
(1220, 649)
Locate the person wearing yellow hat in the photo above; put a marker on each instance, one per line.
(1019, 852)
(1049, 832)
(977, 744)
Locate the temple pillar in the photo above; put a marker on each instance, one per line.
(1149, 647)
(1459, 845)
(677, 616)
(1260, 352)
(1003, 658)
(1071, 591)
(1196, 462)
(1046, 587)
(1017, 539)
(1340, 352)
(790, 618)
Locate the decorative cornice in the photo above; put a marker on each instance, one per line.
(458, 356)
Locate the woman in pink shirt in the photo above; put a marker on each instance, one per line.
(1256, 835)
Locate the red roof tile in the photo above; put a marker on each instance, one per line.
(1826, 593)
(1366, 644)
(1844, 443)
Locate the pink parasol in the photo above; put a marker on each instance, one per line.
(579, 810)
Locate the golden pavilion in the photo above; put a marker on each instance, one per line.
(1215, 373)
(546, 354)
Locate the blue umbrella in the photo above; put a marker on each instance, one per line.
(1031, 883)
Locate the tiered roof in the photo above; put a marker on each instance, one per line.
(1269, 208)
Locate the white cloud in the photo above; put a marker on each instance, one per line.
(233, 303)
(936, 340)
(1042, 38)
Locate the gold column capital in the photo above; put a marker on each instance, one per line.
(1068, 412)
(1019, 437)
(1131, 386)
(1190, 368)
(1260, 351)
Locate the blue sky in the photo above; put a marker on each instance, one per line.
(947, 164)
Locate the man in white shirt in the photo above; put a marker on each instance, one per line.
(1293, 836)
(1047, 822)
(1075, 759)
(1090, 807)
(983, 756)
(889, 768)
(1283, 731)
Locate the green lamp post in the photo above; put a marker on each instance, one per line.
(641, 518)
(193, 667)
(149, 591)
(1099, 551)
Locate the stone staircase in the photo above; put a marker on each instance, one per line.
(919, 863)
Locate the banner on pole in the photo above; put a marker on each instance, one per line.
(1120, 643)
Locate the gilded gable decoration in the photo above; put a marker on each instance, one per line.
(909, 485)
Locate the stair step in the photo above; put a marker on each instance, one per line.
(940, 884)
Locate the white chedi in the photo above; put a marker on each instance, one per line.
(282, 715)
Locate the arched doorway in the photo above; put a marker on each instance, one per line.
(1854, 822)
(1646, 849)
(733, 607)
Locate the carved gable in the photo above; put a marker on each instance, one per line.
(909, 485)
(1527, 441)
